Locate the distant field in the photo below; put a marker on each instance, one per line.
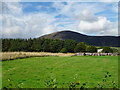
(33, 72)
(18, 55)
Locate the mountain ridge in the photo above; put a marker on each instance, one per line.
(92, 40)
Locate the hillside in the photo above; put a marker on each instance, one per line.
(92, 40)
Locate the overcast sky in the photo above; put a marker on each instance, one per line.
(30, 20)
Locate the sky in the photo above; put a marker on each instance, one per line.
(34, 19)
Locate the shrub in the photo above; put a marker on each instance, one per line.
(69, 45)
(80, 47)
(91, 49)
(107, 50)
(63, 50)
(51, 82)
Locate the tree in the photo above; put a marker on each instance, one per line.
(29, 45)
(46, 45)
(5, 44)
(80, 47)
(91, 49)
(56, 45)
(107, 50)
(15, 45)
(70, 45)
(63, 50)
(36, 46)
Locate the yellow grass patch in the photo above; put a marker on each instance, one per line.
(15, 55)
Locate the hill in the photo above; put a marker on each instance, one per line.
(92, 40)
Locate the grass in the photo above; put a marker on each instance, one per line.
(33, 72)
(16, 55)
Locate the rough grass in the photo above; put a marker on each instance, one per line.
(17, 55)
(32, 72)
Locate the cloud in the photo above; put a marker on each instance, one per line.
(39, 24)
(108, 0)
(101, 26)
(86, 20)
(28, 26)
(64, 9)
(12, 8)
(86, 15)
(20, 25)
(10, 0)
(80, 17)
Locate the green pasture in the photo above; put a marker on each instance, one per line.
(35, 71)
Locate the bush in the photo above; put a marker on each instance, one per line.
(80, 47)
(91, 49)
(63, 50)
(69, 45)
(107, 50)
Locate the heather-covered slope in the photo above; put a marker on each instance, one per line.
(92, 40)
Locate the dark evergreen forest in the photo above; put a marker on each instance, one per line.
(46, 45)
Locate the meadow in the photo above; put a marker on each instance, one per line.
(60, 71)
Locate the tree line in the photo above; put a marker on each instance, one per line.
(48, 45)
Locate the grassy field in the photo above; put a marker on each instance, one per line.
(35, 71)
